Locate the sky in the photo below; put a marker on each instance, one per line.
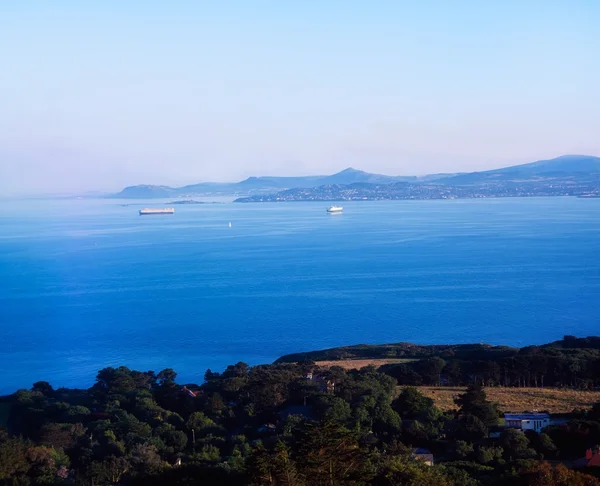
(100, 95)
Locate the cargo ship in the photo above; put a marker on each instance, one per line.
(335, 209)
(157, 211)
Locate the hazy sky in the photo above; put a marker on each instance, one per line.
(97, 95)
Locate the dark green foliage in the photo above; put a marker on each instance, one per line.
(411, 403)
(516, 445)
(279, 425)
(462, 449)
(486, 455)
(474, 402)
(571, 362)
(573, 438)
(330, 454)
(468, 428)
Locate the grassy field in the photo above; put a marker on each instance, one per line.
(357, 364)
(519, 399)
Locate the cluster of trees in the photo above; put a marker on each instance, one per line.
(272, 425)
(571, 362)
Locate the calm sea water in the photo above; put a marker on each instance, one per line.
(86, 284)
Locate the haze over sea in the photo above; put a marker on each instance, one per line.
(86, 284)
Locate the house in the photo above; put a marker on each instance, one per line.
(592, 458)
(423, 455)
(527, 421)
(326, 386)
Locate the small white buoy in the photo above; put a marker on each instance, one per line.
(230, 224)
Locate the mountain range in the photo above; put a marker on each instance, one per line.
(567, 169)
(267, 184)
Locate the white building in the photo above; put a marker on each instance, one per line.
(527, 421)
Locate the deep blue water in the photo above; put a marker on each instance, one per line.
(86, 284)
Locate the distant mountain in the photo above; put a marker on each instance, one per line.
(574, 168)
(564, 163)
(569, 175)
(566, 167)
(145, 190)
(254, 185)
(353, 176)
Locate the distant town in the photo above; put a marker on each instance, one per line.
(405, 191)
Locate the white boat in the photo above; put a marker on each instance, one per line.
(335, 209)
(157, 211)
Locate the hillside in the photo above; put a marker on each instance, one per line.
(565, 175)
(253, 185)
(398, 350)
(574, 168)
(568, 344)
(301, 424)
(564, 163)
(574, 172)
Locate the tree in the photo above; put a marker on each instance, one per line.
(468, 428)
(215, 404)
(115, 381)
(61, 435)
(516, 445)
(486, 455)
(45, 462)
(13, 462)
(210, 453)
(44, 388)
(292, 424)
(402, 470)
(166, 377)
(542, 443)
(285, 469)
(431, 369)
(338, 410)
(261, 467)
(386, 420)
(462, 449)
(474, 402)
(330, 455)
(240, 369)
(175, 440)
(200, 425)
(453, 370)
(111, 470)
(146, 460)
(411, 403)
(198, 420)
(543, 474)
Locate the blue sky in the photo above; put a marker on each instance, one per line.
(97, 95)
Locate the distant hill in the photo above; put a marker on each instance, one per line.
(144, 190)
(576, 346)
(565, 164)
(254, 185)
(568, 169)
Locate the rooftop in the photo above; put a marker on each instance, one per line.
(527, 416)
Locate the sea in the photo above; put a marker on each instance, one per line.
(88, 283)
